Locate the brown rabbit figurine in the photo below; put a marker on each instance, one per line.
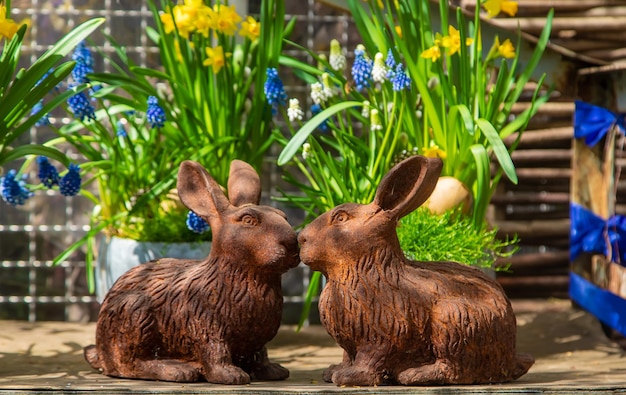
(184, 320)
(400, 321)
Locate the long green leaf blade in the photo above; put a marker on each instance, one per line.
(499, 149)
(300, 137)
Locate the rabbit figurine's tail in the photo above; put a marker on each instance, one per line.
(91, 355)
(523, 362)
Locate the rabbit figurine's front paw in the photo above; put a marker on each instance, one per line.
(227, 374)
(328, 373)
(356, 375)
(270, 371)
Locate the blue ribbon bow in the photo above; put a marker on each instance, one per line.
(590, 233)
(593, 122)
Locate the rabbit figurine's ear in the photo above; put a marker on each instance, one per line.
(244, 184)
(199, 192)
(407, 185)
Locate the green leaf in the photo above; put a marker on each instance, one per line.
(499, 149)
(311, 292)
(68, 42)
(481, 187)
(93, 232)
(150, 73)
(33, 149)
(307, 72)
(300, 137)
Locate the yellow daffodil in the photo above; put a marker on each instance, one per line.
(189, 17)
(227, 19)
(433, 53)
(494, 7)
(8, 27)
(250, 28)
(434, 152)
(181, 18)
(453, 40)
(398, 30)
(168, 22)
(438, 39)
(216, 58)
(206, 20)
(506, 49)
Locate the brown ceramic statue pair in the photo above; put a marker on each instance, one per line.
(398, 321)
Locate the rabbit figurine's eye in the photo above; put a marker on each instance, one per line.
(340, 216)
(249, 220)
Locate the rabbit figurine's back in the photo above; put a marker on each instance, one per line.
(401, 321)
(184, 320)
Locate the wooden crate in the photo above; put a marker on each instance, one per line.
(598, 264)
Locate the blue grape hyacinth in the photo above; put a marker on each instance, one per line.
(47, 173)
(120, 130)
(274, 89)
(84, 63)
(13, 191)
(70, 184)
(195, 223)
(155, 113)
(390, 61)
(400, 79)
(44, 120)
(82, 54)
(361, 68)
(81, 108)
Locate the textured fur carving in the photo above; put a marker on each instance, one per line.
(401, 321)
(184, 320)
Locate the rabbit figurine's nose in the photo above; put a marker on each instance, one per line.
(301, 238)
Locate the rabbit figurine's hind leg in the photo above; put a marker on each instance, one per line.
(132, 332)
(166, 370)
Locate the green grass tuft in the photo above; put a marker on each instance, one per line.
(451, 237)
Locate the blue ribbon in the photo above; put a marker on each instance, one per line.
(593, 122)
(590, 233)
(604, 305)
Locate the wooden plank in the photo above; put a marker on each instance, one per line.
(537, 212)
(544, 173)
(553, 109)
(534, 227)
(542, 136)
(591, 186)
(534, 281)
(534, 25)
(543, 6)
(541, 156)
(531, 198)
(536, 261)
(610, 54)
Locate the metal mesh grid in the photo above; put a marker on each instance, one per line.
(32, 235)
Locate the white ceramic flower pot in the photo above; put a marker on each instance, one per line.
(117, 255)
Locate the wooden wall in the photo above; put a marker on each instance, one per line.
(537, 208)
